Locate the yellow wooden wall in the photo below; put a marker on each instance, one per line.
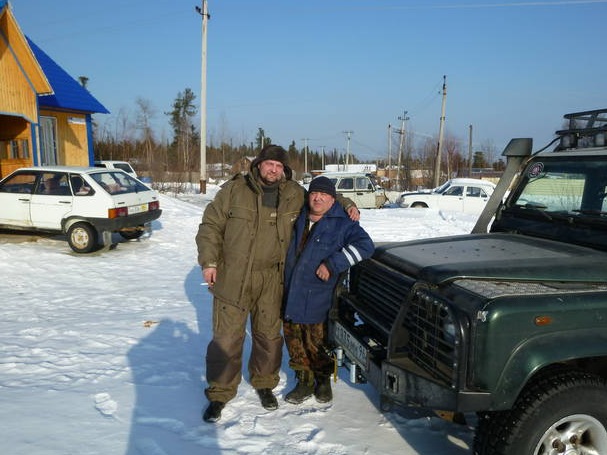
(72, 147)
(16, 94)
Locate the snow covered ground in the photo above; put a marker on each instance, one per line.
(104, 354)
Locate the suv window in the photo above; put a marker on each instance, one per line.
(346, 183)
(363, 183)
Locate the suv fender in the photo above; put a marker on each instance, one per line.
(538, 353)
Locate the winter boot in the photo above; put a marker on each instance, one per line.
(213, 412)
(268, 400)
(304, 388)
(322, 390)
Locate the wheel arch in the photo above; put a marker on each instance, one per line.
(535, 356)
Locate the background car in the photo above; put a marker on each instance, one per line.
(458, 195)
(113, 164)
(87, 204)
(359, 187)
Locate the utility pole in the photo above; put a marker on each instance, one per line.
(470, 151)
(403, 119)
(203, 98)
(305, 155)
(322, 147)
(389, 153)
(348, 134)
(440, 135)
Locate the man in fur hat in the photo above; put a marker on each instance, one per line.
(242, 244)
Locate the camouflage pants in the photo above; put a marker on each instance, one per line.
(307, 346)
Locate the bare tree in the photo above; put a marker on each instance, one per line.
(145, 115)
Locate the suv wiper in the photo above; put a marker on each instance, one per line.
(590, 212)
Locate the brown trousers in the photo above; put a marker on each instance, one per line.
(225, 351)
(307, 346)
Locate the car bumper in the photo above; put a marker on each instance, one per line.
(124, 222)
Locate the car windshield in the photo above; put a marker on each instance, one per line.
(117, 182)
(441, 189)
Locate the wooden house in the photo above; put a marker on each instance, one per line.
(45, 115)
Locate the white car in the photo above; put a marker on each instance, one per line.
(459, 195)
(359, 187)
(85, 203)
(113, 164)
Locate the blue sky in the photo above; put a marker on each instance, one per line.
(317, 68)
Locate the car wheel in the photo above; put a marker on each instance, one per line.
(132, 234)
(419, 205)
(82, 237)
(560, 413)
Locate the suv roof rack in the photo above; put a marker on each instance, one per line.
(586, 129)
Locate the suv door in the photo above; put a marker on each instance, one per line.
(358, 188)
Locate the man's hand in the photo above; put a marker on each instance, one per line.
(322, 272)
(353, 213)
(210, 275)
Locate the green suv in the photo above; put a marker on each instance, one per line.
(508, 322)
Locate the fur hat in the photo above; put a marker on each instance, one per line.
(276, 153)
(272, 152)
(322, 184)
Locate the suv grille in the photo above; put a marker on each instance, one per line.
(380, 294)
(433, 337)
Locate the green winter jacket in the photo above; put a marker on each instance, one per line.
(226, 237)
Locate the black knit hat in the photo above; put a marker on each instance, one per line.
(322, 184)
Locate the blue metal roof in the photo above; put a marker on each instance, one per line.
(68, 94)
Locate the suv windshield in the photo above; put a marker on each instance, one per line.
(561, 199)
(572, 187)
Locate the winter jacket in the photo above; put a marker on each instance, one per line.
(335, 240)
(227, 235)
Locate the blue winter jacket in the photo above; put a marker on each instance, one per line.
(335, 240)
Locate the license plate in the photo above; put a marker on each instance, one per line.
(354, 348)
(138, 208)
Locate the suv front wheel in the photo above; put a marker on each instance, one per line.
(82, 237)
(561, 413)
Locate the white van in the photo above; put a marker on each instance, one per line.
(359, 187)
(112, 164)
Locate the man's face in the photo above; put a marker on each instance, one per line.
(320, 203)
(271, 171)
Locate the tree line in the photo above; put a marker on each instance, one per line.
(177, 159)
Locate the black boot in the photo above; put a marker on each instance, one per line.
(304, 388)
(322, 391)
(213, 411)
(268, 400)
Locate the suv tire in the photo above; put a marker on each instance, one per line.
(82, 237)
(563, 412)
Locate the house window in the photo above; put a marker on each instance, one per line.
(48, 139)
(14, 149)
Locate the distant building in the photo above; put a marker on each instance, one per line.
(360, 168)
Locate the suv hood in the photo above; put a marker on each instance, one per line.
(494, 257)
